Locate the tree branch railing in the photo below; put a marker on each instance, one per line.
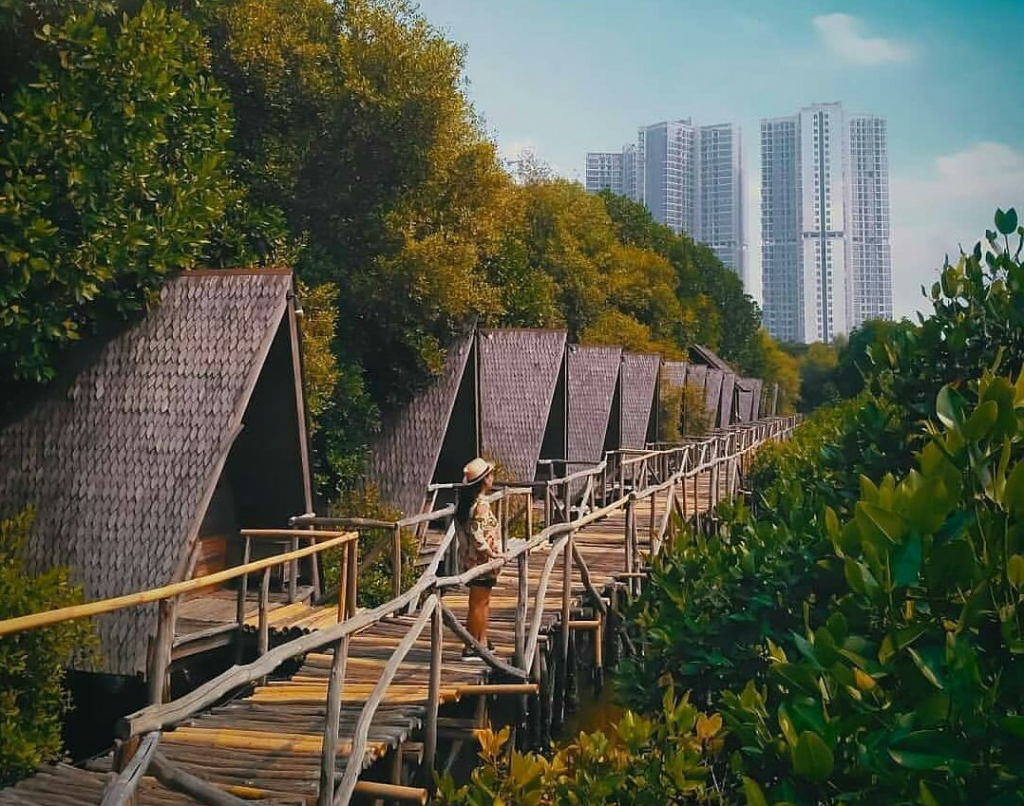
(721, 459)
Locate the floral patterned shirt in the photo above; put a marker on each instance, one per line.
(480, 539)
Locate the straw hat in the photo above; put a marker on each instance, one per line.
(476, 470)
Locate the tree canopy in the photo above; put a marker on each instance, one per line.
(139, 140)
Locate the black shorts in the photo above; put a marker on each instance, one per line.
(482, 582)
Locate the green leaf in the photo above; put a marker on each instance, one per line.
(753, 792)
(831, 523)
(1015, 570)
(1006, 222)
(1013, 493)
(927, 666)
(786, 724)
(981, 420)
(925, 795)
(907, 561)
(859, 577)
(888, 524)
(949, 407)
(812, 758)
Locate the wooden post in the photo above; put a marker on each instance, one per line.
(627, 538)
(352, 579)
(161, 657)
(529, 514)
(343, 581)
(433, 694)
(243, 591)
(563, 683)
(293, 574)
(396, 561)
(534, 712)
(263, 643)
(332, 724)
(520, 627)
(547, 505)
(654, 514)
(599, 654)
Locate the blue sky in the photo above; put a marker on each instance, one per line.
(563, 77)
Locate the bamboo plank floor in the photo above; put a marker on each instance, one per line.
(266, 745)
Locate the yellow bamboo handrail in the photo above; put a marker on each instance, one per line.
(101, 606)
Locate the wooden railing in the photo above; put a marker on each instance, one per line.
(623, 482)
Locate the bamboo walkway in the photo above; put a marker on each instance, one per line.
(265, 742)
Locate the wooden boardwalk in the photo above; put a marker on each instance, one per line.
(264, 742)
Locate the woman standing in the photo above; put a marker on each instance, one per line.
(480, 540)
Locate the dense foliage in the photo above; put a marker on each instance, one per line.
(663, 760)
(32, 696)
(862, 630)
(139, 140)
(113, 174)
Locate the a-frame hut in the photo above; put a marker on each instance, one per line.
(431, 437)
(673, 374)
(639, 394)
(593, 377)
(745, 390)
(726, 401)
(184, 428)
(712, 394)
(522, 394)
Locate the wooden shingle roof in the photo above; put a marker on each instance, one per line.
(725, 409)
(404, 455)
(639, 384)
(518, 372)
(593, 372)
(702, 355)
(121, 466)
(673, 373)
(712, 393)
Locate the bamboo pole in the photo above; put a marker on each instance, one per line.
(101, 606)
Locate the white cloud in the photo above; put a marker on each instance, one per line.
(841, 33)
(949, 206)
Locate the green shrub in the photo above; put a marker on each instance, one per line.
(33, 699)
(696, 418)
(375, 581)
(909, 688)
(977, 322)
(664, 760)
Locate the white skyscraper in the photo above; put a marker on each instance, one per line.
(721, 225)
(690, 178)
(604, 172)
(869, 219)
(826, 259)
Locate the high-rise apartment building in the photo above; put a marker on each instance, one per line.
(825, 254)
(604, 172)
(720, 194)
(690, 178)
(870, 243)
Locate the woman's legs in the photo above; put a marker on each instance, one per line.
(479, 612)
